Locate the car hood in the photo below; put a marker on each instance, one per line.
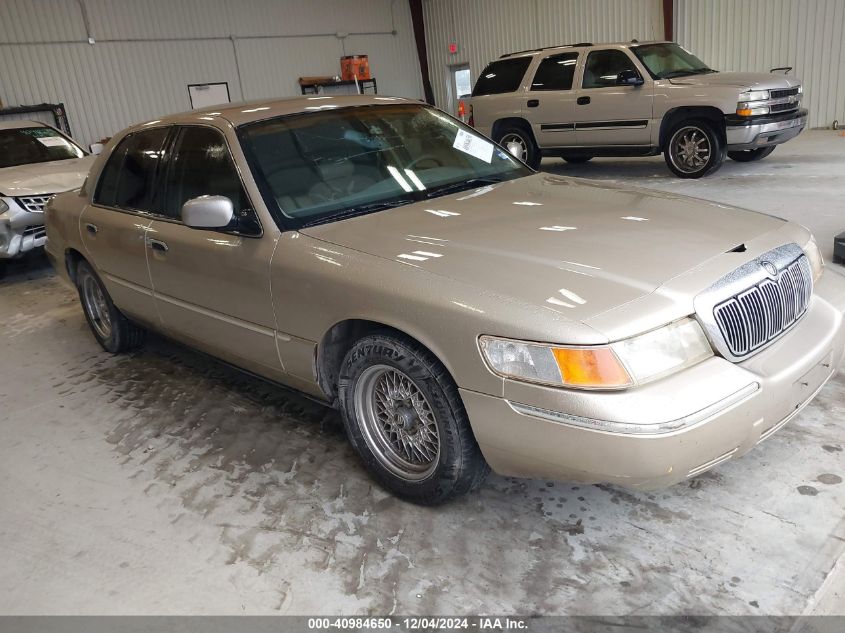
(561, 243)
(755, 81)
(42, 178)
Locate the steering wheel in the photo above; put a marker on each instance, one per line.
(425, 157)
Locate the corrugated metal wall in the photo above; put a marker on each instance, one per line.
(147, 52)
(485, 29)
(757, 35)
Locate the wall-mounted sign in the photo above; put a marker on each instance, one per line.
(207, 95)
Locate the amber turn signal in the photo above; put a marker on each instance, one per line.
(594, 368)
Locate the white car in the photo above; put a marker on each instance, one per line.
(36, 162)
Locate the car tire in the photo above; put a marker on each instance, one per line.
(750, 155)
(404, 417)
(694, 149)
(577, 160)
(113, 331)
(531, 155)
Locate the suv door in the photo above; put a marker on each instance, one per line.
(212, 287)
(114, 225)
(609, 114)
(550, 103)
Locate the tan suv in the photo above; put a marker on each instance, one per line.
(459, 309)
(634, 99)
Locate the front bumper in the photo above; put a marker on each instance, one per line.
(20, 231)
(755, 132)
(727, 408)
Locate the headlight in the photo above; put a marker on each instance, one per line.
(616, 366)
(754, 95)
(811, 249)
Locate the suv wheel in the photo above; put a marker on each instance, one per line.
(404, 417)
(694, 149)
(530, 153)
(113, 331)
(749, 155)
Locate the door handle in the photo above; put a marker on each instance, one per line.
(91, 228)
(583, 100)
(533, 103)
(157, 245)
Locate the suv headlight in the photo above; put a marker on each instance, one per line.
(620, 365)
(749, 103)
(811, 249)
(754, 95)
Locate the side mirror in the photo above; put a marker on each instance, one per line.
(515, 149)
(96, 148)
(208, 212)
(629, 78)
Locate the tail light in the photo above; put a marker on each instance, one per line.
(461, 110)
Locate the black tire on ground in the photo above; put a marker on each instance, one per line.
(577, 160)
(113, 331)
(694, 149)
(404, 417)
(749, 155)
(531, 155)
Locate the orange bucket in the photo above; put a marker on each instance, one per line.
(352, 66)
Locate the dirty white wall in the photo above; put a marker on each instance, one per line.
(146, 52)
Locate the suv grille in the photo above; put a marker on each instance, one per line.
(35, 231)
(780, 94)
(757, 316)
(782, 107)
(34, 204)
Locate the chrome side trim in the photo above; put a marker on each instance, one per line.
(129, 284)
(252, 327)
(626, 428)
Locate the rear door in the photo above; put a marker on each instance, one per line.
(608, 114)
(499, 92)
(114, 226)
(550, 102)
(212, 287)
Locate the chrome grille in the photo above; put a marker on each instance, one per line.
(780, 94)
(783, 107)
(34, 204)
(35, 232)
(758, 315)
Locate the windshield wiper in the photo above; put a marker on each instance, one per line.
(362, 209)
(463, 185)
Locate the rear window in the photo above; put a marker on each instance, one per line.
(503, 75)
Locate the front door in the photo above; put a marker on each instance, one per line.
(607, 114)
(550, 102)
(212, 287)
(114, 226)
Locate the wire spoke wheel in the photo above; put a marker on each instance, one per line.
(397, 422)
(690, 149)
(96, 306)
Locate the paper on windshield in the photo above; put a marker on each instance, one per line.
(474, 146)
(51, 141)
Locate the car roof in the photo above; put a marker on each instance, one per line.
(20, 123)
(250, 111)
(590, 45)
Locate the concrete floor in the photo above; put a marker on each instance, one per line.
(162, 482)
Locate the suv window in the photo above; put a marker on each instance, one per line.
(202, 166)
(128, 179)
(603, 66)
(555, 72)
(503, 75)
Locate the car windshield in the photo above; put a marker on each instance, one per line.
(665, 61)
(26, 145)
(330, 164)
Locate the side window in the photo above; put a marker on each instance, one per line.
(555, 72)
(201, 166)
(603, 66)
(503, 75)
(128, 179)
